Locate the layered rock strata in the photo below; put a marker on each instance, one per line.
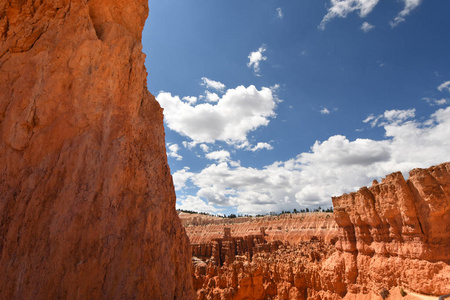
(396, 233)
(292, 228)
(87, 205)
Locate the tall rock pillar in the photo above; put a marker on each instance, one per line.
(87, 204)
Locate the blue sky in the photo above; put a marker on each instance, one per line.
(274, 105)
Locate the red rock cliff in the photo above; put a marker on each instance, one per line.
(396, 233)
(87, 205)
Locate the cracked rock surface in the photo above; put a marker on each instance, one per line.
(87, 205)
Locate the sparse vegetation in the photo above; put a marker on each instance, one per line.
(384, 293)
(402, 292)
(194, 212)
(272, 213)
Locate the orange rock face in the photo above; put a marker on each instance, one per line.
(87, 205)
(291, 228)
(275, 271)
(275, 257)
(392, 236)
(397, 233)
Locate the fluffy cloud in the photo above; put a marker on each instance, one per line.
(212, 97)
(216, 85)
(256, 57)
(221, 155)
(390, 116)
(190, 99)
(196, 204)
(332, 167)
(409, 6)
(180, 178)
(366, 27)
(173, 151)
(279, 13)
(341, 8)
(260, 146)
(444, 87)
(238, 112)
(204, 147)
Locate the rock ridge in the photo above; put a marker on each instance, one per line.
(291, 228)
(396, 233)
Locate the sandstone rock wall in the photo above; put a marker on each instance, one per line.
(285, 272)
(291, 228)
(224, 250)
(397, 233)
(87, 205)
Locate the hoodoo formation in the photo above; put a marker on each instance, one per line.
(87, 205)
(392, 237)
(396, 233)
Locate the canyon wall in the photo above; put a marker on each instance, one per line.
(292, 228)
(87, 205)
(396, 233)
(276, 271)
(392, 237)
(271, 257)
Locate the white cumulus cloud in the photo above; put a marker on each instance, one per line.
(204, 147)
(195, 204)
(220, 155)
(256, 57)
(332, 167)
(173, 151)
(190, 99)
(216, 85)
(235, 114)
(366, 27)
(211, 97)
(180, 178)
(261, 146)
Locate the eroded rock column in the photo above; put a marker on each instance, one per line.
(87, 205)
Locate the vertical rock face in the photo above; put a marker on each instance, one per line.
(397, 233)
(87, 206)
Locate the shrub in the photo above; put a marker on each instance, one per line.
(384, 293)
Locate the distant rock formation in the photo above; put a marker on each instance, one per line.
(396, 233)
(87, 205)
(392, 236)
(225, 249)
(291, 228)
(252, 268)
